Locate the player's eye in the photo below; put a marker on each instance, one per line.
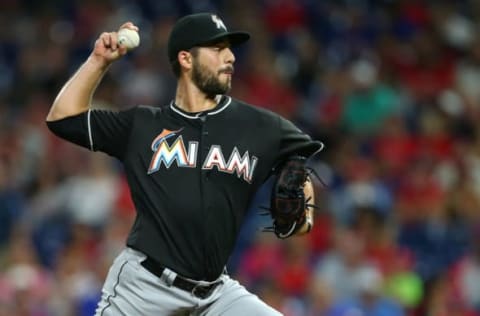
(221, 46)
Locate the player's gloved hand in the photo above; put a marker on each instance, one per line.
(288, 202)
(107, 49)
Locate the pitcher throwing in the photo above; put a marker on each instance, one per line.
(193, 167)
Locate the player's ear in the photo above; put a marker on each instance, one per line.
(185, 59)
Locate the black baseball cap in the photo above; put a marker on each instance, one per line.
(200, 29)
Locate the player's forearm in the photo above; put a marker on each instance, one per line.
(76, 95)
(309, 193)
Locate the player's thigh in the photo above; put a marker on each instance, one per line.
(235, 300)
(114, 300)
(131, 290)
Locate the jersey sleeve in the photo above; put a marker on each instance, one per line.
(295, 142)
(97, 130)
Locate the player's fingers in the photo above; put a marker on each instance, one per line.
(129, 25)
(113, 40)
(122, 50)
(110, 40)
(105, 38)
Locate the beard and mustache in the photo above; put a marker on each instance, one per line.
(209, 82)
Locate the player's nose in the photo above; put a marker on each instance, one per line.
(229, 56)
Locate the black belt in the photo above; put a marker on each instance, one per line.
(200, 291)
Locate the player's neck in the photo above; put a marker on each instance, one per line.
(190, 99)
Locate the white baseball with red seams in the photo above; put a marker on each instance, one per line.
(128, 38)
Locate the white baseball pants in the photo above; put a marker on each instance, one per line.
(132, 290)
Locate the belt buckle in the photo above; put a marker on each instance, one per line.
(204, 291)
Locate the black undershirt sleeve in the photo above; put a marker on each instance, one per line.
(71, 128)
(294, 142)
(97, 130)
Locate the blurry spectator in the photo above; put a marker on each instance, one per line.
(320, 298)
(437, 239)
(271, 294)
(320, 238)
(402, 283)
(435, 139)
(86, 199)
(394, 148)
(11, 205)
(370, 300)
(418, 193)
(370, 103)
(471, 160)
(28, 282)
(431, 68)
(340, 267)
(90, 197)
(263, 260)
(465, 275)
(381, 248)
(467, 74)
(265, 87)
(143, 84)
(441, 301)
(76, 282)
(456, 29)
(295, 271)
(362, 188)
(464, 198)
(284, 15)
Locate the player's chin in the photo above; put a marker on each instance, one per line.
(226, 82)
(226, 77)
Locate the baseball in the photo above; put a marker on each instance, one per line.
(129, 38)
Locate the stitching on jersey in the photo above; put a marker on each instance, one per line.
(89, 126)
(322, 146)
(222, 108)
(109, 303)
(197, 116)
(181, 113)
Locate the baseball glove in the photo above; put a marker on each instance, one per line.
(288, 203)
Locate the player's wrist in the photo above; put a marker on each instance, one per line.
(98, 62)
(306, 226)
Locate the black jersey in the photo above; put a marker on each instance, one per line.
(192, 176)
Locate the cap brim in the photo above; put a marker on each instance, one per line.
(234, 38)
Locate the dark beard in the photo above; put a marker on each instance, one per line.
(207, 82)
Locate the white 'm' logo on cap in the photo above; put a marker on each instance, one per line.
(218, 22)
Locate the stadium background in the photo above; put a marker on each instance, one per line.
(392, 87)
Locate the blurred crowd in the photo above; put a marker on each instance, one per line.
(391, 87)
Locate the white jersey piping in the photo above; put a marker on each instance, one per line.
(89, 126)
(196, 116)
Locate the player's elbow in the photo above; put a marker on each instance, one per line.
(64, 107)
(51, 116)
(57, 113)
(306, 227)
(71, 129)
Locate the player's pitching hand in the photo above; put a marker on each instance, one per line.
(107, 48)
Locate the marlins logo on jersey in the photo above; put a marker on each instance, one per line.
(243, 165)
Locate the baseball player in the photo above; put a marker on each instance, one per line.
(192, 166)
